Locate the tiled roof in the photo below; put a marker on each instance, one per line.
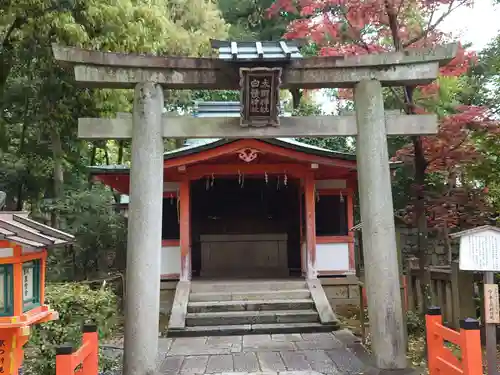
(18, 228)
(216, 109)
(224, 109)
(249, 51)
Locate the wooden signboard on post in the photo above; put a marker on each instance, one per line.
(480, 252)
(260, 90)
(491, 304)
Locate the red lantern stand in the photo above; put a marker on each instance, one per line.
(22, 292)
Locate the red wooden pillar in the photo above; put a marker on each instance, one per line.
(310, 210)
(350, 224)
(185, 229)
(302, 250)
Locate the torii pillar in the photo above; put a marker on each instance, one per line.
(379, 233)
(142, 304)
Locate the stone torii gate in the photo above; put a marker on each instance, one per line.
(148, 75)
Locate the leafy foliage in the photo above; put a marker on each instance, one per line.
(441, 194)
(353, 27)
(106, 236)
(43, 164)
(484, 80)
(77, 304)
(248, 21)
(452, 198)
(414, 323)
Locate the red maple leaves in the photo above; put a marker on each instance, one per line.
(352, 27)
(452, 148)
(457, 203)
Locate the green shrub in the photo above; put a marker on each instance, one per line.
(414, 323)
(76, 304)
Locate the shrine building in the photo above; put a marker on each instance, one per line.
(252, 208)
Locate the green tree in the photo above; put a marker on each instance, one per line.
(484, 81)
(43, 164)
(249, 21)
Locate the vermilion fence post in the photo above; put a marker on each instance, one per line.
(91, 362)
(440, 359)
(472, 357)
(67, 359)
(434, 341)
(64, 360)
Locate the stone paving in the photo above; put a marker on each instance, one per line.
(284, 354)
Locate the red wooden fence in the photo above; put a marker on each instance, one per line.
(85, 360)
(441, 360)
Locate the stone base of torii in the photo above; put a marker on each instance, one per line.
(148, 75)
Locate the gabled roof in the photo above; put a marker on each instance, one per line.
(19, 228)
(289, 143)
(208, 144)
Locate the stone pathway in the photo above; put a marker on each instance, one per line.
(284, 354)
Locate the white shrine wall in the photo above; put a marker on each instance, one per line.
(335, 254)
(170, 259)
(6, 252)
(332, 258)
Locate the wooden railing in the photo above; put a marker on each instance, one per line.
(450, 288)
(85, 360)
(441, 359)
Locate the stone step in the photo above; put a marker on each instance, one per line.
(243, 286)
(249, 329)
(257, 305)
(252, 295)
(251, 317)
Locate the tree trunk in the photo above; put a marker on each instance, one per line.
(57, 154)
(296, 97)
(116, 196)
(179, 143)
(421, 219)
(74, 269)
(106, 154)
(20, 187)
(7, 51)
(452, 180)
(121, 146)
(93, 154)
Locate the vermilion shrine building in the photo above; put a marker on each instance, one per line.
(253, 208)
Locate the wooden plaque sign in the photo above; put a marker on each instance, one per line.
(480, 252)
(260, 88)
(491, 304)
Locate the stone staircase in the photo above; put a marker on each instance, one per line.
(250, 307)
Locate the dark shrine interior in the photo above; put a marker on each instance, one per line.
(253, 206)
(246, 206)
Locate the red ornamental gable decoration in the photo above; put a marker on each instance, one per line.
(248, 154)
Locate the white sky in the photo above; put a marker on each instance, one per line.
(477, 25)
